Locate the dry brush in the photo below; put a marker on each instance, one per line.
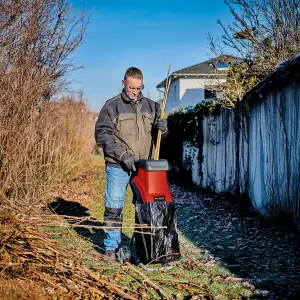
(42, 141)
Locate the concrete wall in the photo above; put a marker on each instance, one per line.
(274, 148)
(218, 168)
(258, 154)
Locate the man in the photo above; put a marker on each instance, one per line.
(125, 129)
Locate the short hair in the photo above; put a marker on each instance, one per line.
(133, 72)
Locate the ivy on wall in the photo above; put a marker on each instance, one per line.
(185, 126)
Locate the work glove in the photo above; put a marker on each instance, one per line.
(129, 162)
(162, 124)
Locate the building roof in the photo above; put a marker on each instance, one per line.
(217, 66)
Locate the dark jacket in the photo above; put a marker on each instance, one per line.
(127, 127)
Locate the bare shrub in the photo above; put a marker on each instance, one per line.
(40, 141)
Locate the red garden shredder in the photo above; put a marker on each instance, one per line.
(154, 207)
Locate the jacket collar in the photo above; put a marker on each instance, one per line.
(126, 99)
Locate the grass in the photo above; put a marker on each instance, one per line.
(99, 160)
(196, 274)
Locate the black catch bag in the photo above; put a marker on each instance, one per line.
(161, 245)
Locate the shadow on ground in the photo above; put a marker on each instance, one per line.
(94, 235)
(248, 245)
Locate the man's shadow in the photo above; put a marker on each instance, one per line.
(95, 235)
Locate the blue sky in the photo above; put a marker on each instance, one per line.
(149, 35)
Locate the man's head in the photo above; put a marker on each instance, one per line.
(133, 82)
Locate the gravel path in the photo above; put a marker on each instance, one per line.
(245, 243)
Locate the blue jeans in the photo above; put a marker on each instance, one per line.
(116, 183)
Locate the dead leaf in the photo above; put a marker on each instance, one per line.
(117, 277)
(180, 287)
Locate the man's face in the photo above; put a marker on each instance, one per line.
(133, 86)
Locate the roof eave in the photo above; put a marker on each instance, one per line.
(175, 76)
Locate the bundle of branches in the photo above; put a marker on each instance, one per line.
(28, 253)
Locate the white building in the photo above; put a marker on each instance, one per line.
(194, 84)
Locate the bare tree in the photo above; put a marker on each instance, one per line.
(263, 32)
(42, 33)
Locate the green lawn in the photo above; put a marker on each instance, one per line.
(196, 274)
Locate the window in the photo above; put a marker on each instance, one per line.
(209, 93)
(220, 65)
